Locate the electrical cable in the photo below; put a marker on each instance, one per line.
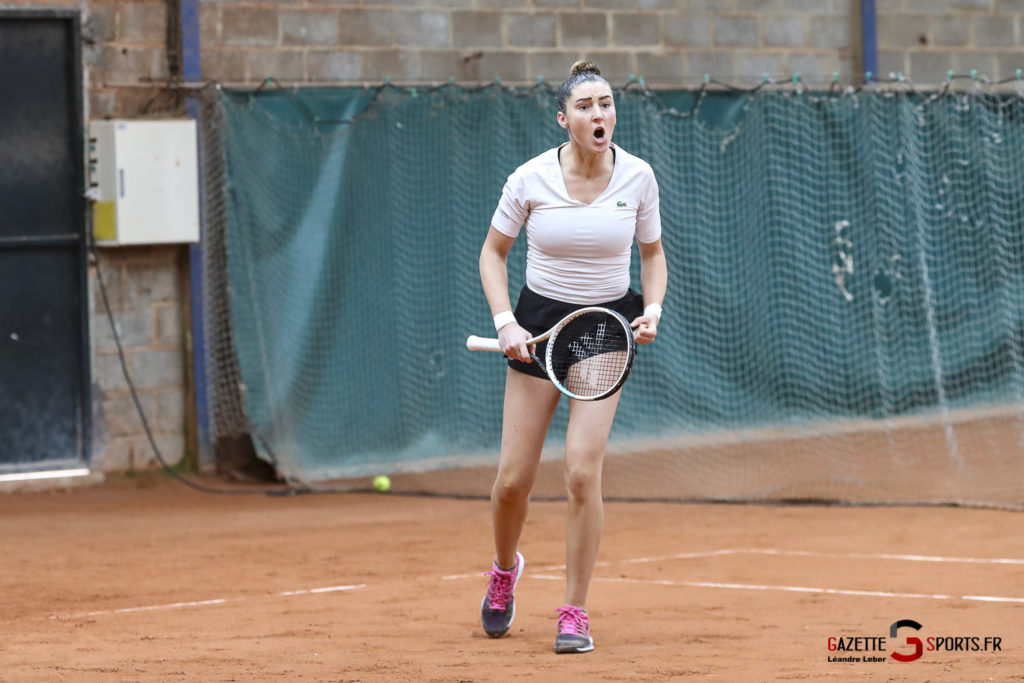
(165, 466)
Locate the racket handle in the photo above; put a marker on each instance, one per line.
(475, 343)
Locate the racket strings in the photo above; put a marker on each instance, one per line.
(590, 354)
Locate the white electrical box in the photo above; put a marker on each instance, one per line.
(144, 180)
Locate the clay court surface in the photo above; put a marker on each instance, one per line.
(146, 580)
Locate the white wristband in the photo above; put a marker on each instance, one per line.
(653, 310)
(503, 318)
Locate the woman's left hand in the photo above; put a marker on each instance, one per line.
(645, 329)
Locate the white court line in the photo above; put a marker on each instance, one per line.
(991, 598)
(680, 556)
(893, 556)
(214, 601)
(815, 553)
(149, 608)
(789, 553)
(329, 589)
(794, 589)
(50, 474)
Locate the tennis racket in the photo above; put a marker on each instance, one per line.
(588, 356)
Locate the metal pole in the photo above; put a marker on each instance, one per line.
(869, 39)
(191, 72)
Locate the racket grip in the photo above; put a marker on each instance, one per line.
(475, 343)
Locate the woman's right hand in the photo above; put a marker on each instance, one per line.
(512, 339)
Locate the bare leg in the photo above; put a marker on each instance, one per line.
(590, 423)
(530, 403)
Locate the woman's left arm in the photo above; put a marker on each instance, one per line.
(653, 281)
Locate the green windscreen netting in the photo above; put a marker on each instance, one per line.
(845, 316)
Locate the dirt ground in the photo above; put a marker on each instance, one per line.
(146, 580)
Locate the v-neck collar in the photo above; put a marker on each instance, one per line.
(565, 188)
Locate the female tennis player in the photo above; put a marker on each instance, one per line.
(583, 204)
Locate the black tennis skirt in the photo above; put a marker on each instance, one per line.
(537, 314)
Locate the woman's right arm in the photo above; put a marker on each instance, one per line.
(494, 278)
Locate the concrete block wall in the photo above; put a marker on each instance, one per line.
(145, 291)
(671, 43)
(127, 67)
(925, 39)
(127, 63)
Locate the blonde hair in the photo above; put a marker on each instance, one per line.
(582, 71)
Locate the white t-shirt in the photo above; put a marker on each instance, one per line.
(576, 252)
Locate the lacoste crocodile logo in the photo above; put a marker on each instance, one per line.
(621, 204)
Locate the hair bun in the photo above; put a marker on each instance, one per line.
(584, 66)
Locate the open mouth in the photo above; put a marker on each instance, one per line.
(599, 133)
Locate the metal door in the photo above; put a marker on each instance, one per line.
(44, 359)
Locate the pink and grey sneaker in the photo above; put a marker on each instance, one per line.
(498, 608)
(573, 631)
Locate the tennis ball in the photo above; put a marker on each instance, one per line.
(381, 483)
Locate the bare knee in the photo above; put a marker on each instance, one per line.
(511, 488)
(582, 483)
